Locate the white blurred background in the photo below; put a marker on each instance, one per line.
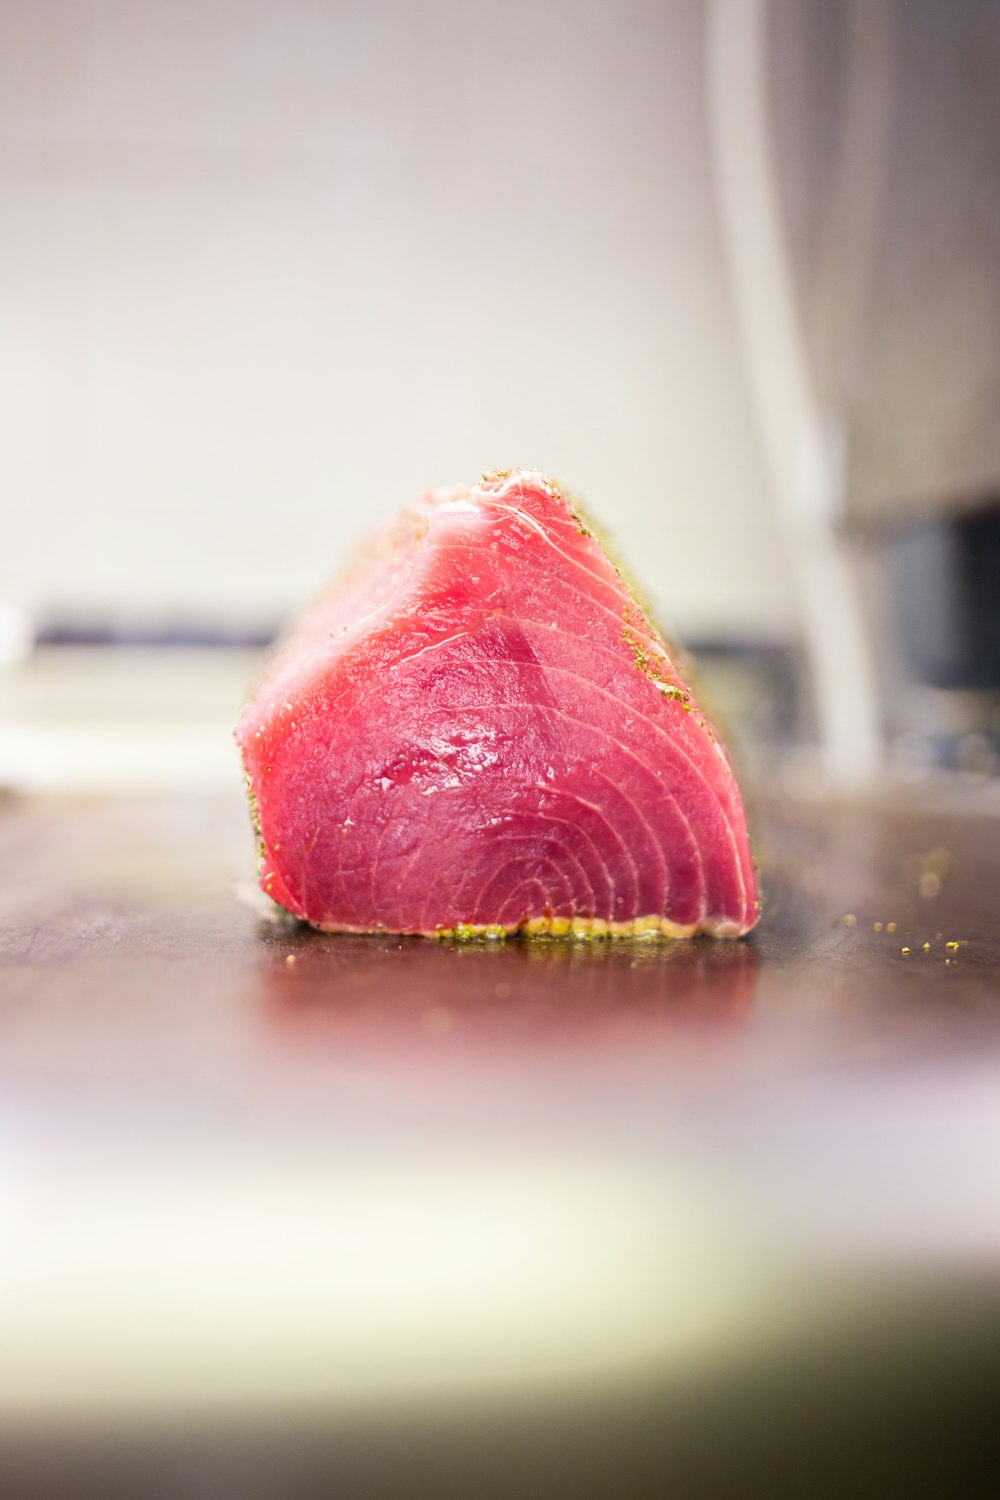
(270, 269)
(726, 267)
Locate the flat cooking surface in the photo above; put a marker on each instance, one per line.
(129, 938)
(250, 1168)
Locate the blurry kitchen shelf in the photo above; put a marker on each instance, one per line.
(168, 633)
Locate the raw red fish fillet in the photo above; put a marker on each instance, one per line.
(480, 731)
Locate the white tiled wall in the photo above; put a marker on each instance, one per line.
(270, 267)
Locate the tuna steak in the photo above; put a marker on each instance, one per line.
(480, 732)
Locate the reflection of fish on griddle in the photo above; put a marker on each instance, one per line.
(357, 992)
(480, 732)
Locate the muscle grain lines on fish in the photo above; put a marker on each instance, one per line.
(480, 732)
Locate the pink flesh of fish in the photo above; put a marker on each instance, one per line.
(479, 730)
